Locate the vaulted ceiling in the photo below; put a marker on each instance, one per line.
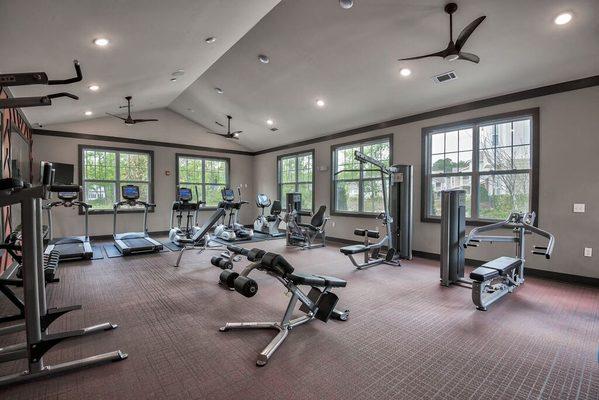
(317, 50)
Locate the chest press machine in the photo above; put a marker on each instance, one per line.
(396, 183)
(496, 278)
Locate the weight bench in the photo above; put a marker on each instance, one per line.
(370, 259)
(504, 270)
(319, 303)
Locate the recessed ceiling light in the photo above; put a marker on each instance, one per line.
(94, 88)
(179, 72)
(405, 72)
(270, 122)
(173, 79)
(210, 39)
(563, 18)
(320, 103)
(346, 4)
(263, 59)
(88, 113)
(218, 90)
(101, 42)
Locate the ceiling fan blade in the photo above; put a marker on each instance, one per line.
(219, 124)
(135, 121)
(468, 57)
(236, 132)
(216, 133)
(116, 116)
(467, 31)
(233, 137)
(437, 54)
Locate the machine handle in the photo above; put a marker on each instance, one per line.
(77, 78)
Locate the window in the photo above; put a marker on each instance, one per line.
(105, 170)
(296, 174)
(358, 190)
(206, 176)
(490, 158)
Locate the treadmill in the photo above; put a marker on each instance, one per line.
(134, 242)
(71, 247)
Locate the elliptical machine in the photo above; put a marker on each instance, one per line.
(268, 224)
(183, 205)
(70, 247)
(232, 230)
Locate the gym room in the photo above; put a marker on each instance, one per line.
(298, 199)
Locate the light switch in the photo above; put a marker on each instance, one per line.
(579, 207)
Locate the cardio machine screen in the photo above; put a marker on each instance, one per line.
(228, 194)
(185, 194)
(130, 192)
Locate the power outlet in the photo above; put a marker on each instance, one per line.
(579, 207)
(588, 252)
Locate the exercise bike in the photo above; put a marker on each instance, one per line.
(184, 205)
(268, 224)
(232, 230)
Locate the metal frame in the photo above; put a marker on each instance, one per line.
(117, 181)
(296, 155)
(361, 180)
(37, 315)
(475, 123)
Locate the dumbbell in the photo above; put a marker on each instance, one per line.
(221, 262)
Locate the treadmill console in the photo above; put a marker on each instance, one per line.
(228, 194)
(130, 192)
(68, 196)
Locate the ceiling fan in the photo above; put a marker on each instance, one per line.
(129, 120)
(229, 134)
(453, 51)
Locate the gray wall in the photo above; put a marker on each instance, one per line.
(171, 127)
(569, 130)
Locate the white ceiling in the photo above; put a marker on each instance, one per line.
(150, 39)
(317, 50)
(349, 58)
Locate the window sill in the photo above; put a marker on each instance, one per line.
(105, 212)
(469, 222)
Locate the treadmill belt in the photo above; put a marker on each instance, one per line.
(113, 252)
(140, 243)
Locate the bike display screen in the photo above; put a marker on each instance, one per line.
(228, 194)
(185, 194)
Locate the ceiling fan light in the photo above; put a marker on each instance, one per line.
(563, 18)
(451, 57)
(346, 4)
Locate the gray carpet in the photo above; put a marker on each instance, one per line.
(407, 337)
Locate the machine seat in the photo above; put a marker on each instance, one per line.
(482, 274)
(354, 249)
(366, 232)
(271, 218)
(503, 264)
(309, 226)
(300, 278)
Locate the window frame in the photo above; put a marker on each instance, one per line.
(475, 124)
(227, 161)
(366, 141)
(118, 150)
(296, 155)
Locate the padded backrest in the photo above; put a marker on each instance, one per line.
(200, 233)
(318, 218)
(276, 208)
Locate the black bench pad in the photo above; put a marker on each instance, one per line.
(482, 274)
(300, 278)
(503, 264)
(366, 232)
(353, 249)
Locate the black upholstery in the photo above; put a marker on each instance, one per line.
(276, 208)
(300, 278)
(482, 274)
(366, 232)
(10, 183)
(318, 218)
(503, 264)
(354, 249)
